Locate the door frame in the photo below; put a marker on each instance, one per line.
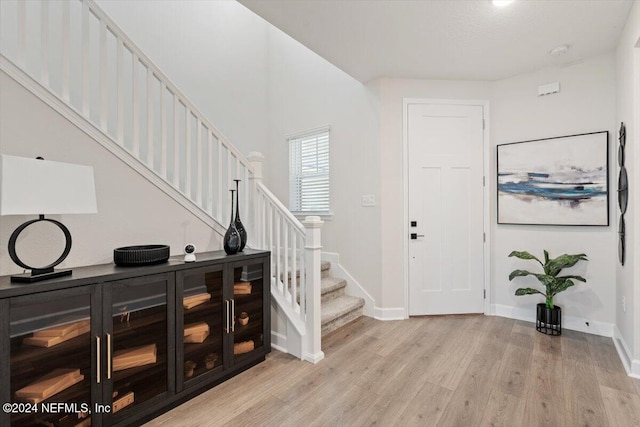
(406, 102)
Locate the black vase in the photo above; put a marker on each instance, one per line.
(549, 320)
(232, 240)
(239, 226)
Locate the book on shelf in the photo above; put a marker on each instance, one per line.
(242, 288)
(133, 357)
(46, 337)
(195, 300)
(49, 385)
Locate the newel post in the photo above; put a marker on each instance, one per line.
(255, 232)
(312, 247)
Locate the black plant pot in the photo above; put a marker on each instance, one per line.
(549, 320)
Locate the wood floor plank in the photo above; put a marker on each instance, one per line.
(470, 398)
(514, 371)
(426, 408)
(503, 410)
(345, 412)
(575, 347)
(544, 398)
(583, 402)
(609, 368)
(436, 370)
(623, 409)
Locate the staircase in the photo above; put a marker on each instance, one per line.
(337, 309)
(133, 110)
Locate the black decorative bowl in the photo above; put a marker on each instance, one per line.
(141, 255)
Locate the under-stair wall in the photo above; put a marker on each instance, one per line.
(110, 90)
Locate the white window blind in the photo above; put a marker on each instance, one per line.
(309, 172)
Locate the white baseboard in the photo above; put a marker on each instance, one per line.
(631, 365)
(279, 342)
(354, 288)
(394, 313)
(568, 322)
(313, 358)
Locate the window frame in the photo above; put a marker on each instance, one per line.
(325, 215)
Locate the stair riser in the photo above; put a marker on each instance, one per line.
(332, 295)
(341, 321)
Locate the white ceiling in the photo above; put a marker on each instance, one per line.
(447, 39)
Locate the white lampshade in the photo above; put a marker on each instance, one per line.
(35, 187)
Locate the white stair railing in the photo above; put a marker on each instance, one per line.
(79, 54)
(84, 61)
(295, 260)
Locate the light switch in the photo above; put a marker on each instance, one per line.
(369, 200)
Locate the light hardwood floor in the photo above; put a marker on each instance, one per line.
(432, 371)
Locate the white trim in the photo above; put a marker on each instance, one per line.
(486, 154)
(313, 358)
(69, 113)
(279, 342)
(568, 322)
(632, 366)
(292, 317)
(302, 134)
(395, 313)
(354, 288)
(326, 216)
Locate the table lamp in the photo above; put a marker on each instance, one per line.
(39, 187)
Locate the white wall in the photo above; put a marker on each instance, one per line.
(586, 103)
(131, 210)
(305, 92)
(628, 111)
(215, 53)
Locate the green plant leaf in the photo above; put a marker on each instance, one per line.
(527, 291)
(556, 265)
(524, 255)
(520, 273)
(562, 285)
(579, 278)
(546, 256)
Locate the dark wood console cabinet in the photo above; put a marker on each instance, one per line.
(118, 346)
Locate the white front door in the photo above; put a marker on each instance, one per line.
(445, 159)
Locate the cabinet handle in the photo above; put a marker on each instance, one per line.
(233, 315)
(98, 358)
(108, 356)
(227, 315)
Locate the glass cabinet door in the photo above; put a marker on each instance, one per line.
(200, 334)
(137, 338)
(247, 310)
(51, 355)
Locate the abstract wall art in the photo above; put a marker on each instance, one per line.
(555, 181)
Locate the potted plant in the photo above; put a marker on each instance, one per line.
(548, 315)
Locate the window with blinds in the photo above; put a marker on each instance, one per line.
(309, 172)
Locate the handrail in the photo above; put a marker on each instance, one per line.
(130, 100)
(281, 208)
(163, 133)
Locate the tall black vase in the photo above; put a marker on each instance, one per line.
(239, 226)
(232, 239)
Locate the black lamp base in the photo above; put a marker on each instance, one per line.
(31, 278)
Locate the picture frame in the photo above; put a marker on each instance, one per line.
(562, 180)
